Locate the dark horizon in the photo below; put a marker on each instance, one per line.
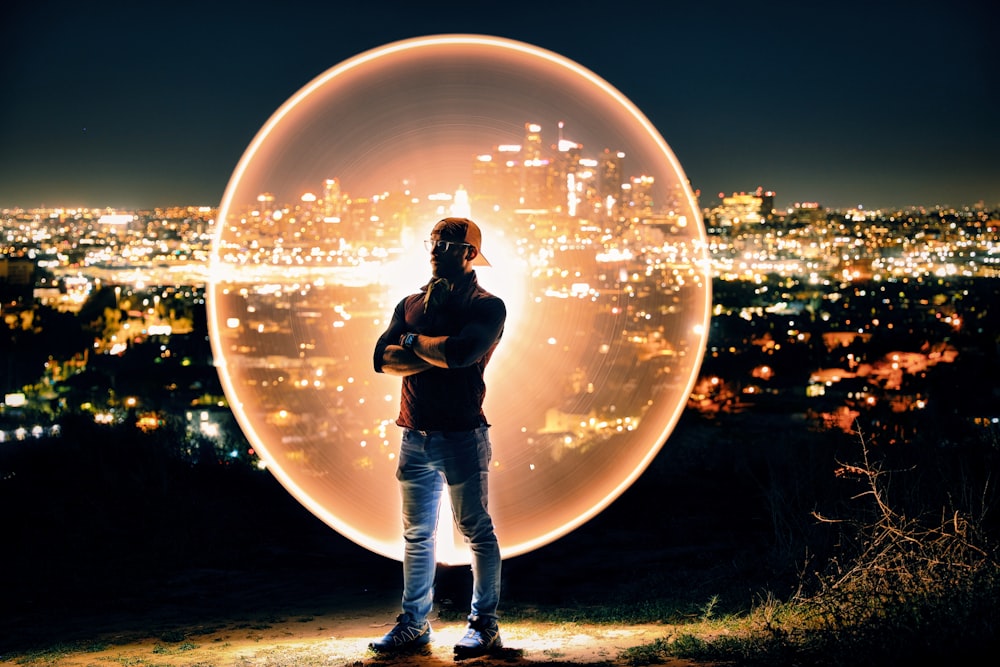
(885, 106)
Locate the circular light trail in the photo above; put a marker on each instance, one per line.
(596, 246)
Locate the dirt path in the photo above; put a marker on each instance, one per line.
(341, 639)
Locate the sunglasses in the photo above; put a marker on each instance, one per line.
(443, 246)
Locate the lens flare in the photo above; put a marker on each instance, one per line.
(596, 246)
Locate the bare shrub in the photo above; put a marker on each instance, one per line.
(907, 577)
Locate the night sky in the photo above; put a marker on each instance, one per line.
(145, 104)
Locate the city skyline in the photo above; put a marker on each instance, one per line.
(890, 107)
(292, 317)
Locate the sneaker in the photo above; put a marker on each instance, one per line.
(406, 636)
(482, 637)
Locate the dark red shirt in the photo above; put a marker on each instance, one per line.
(448, 399)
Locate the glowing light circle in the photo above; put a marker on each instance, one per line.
(596, 244)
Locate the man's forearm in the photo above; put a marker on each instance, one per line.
(431, 350)
(396, 360)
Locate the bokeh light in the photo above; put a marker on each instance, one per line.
(596, 245)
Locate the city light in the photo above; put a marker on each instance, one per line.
(835, 319)
(608, 305)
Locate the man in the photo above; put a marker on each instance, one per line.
(439, 341)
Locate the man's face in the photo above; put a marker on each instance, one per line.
(448, 262)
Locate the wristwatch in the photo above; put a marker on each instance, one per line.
(407, 340)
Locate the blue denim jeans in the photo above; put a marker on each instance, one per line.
(428, 460)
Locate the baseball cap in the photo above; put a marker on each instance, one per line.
(465, 230)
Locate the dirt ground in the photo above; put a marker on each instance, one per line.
(239, 574)
(295, 614)
(342, 639)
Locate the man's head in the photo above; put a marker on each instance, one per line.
(461, 248)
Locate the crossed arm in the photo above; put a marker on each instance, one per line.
(426, 352)
(433, 351)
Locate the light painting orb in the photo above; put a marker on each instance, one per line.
(596, 244)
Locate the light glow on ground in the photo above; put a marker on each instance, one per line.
(344, 639)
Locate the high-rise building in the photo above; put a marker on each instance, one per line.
(640, 199)
(766, 202)
(532, 147)
(807, 213)
(609, 183)
(536, 174)
(333, 204)
(738, 209)
(487, 182)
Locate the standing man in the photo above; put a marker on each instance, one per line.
(439, 341)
